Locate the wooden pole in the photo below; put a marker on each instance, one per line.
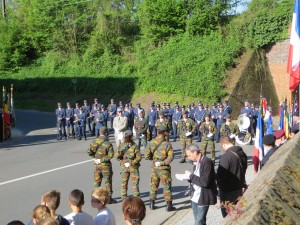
(3, 9)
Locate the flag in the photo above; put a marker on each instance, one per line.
(294, 51)
(270, 125)
(258, 145)
(286, 124)
(281, 122)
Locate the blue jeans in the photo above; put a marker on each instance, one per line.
(230, 196)
(200, 213)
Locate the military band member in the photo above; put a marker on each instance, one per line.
(81, 120)
(227, 108)
(120, 126)
(112, 110)
(92, 115)
(102, 150)
(168, 113)
(96, 103)
(129, 156)
(162, 121)
(161, 153)
(175, 119)
(221, 118)
(76, 125)
(199, 118)
(175, 106)
(208, 129)
(141, 126)
(130, 117)
(87, 110)
(137, 110)
(105, 114)
(152, 117)
(70, 120)
(247, 109)
(213, 112)
(186, 127)
(99, 120)
(61, 122)
(229, 129)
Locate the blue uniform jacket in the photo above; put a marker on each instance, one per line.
(223, 119)
(82, 119)
(152, 117)
(60, 114)
(248, 111)
(176, 116)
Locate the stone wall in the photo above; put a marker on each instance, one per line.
(274, 195)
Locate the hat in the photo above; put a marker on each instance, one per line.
(213, 104)
(162, 128)
(80, 108)
(206, 115)
(205, 106)
(126, 105)
(138, 104)
(189, 106)
(226, 101)
(220, 106)
(228, 116)
(103, 129)
(176, 102)
(192, 104)
(269, 139)
(184, 112)
(246, 100)
(95, 99)
(161, 112)
(102, 106)
(158, 105)
(130, 104)
(84, 100)
(278, 133)
(183, 106)
(128, 132)
(252, 104)
(112, 99)
(98, 109)
(119, 109)
(168, 103)
(200, 103)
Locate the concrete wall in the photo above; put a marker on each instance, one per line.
(274, 195)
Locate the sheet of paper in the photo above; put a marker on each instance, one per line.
(181, 177)
(120, 136)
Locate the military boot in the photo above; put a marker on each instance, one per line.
(170, 206)
(152, 207)
(182, 160)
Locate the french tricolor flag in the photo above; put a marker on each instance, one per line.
(294, 51)
(258, 145)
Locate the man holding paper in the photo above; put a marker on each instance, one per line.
(204, 189)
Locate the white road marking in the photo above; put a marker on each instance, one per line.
(47, 171)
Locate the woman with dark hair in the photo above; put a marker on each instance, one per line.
(129, 156)
(134, 210)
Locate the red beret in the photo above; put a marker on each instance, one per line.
(279, 133)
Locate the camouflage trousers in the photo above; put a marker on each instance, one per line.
(135, 178)
(163, 175)
(210, 145)
(103, 172)
(184, 143)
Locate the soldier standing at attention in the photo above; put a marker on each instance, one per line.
(87, 110)
(221, 118)
(161, 153)
(199, 117)
(213, 112)
(175, 119)
(99, 121)
(227, 108)
(96, 103)
(61, 122)
(112, 109)
(120, 126)
(208, 129)
(93, 114)
(129, 156)
(186, 127)
(168, 113)
(137, 110)
(102, 150)
(141, 126)
(162, 121)
(152, 117)
(229, 129)
(81, 123)
(76, 112)
(70, 120)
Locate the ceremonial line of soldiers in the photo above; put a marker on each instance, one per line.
(127, 122)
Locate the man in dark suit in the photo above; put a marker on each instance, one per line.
(203, 183)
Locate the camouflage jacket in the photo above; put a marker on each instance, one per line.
(163, 154)
(102, 149)
(205, 129)
(129, 153)
(187, 126)
(140, 126)
(165, 122)
(232, 128)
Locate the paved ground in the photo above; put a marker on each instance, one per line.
(35, 162)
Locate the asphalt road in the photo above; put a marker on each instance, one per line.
(34, 162)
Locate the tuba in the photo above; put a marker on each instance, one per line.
(244, 137)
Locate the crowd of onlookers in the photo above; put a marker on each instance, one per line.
(133, 209)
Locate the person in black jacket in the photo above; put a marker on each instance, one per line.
(203, 183)
(231, 173)
(269, 148)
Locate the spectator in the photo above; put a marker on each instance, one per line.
(269, 148)
(280, 138)
(49, 221)
(100, 197)
(231, 173)
(78, 217)
(134, 210)
(203, 183)
(15, 222)
(39, 213)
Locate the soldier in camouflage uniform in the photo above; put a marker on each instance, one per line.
(208, 129)
(102, 150)
(130, 157)
(161, 153)
(163, 121)
(140, 127)
(186, 127)
(229, 129)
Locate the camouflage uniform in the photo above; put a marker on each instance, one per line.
(163, 154)
(129, 153)
(165, 122)
(141, 126)
(102, 150)
(208, 142)
(230, 129)
(183, 127)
